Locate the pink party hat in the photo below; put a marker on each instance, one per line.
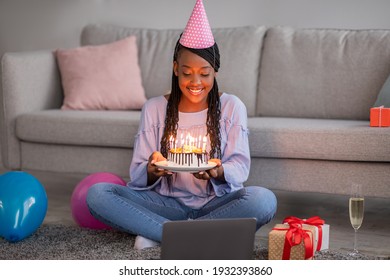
(197, 34)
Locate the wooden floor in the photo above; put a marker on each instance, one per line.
(373, 236)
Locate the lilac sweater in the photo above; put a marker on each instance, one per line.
(184, 186)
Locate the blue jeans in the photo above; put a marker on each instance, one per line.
(144, 212)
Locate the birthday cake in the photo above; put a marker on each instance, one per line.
(187, 156)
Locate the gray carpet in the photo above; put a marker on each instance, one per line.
(59, 242)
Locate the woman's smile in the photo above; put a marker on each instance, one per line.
(196, 91)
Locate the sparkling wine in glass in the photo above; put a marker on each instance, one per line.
(356, 212)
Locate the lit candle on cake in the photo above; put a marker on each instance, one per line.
(171, 142)
(188, 139)
(192, 143)
(204, 143)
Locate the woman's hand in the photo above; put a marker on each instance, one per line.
(155, 172)
(215, 172)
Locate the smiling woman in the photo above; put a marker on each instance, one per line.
(157, 194)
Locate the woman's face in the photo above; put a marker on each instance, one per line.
(196, 79)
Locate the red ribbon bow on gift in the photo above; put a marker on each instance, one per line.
(294, 237)
(313, 221)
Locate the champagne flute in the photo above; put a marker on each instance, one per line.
(356, 212)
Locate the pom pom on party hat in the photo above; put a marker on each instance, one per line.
(197, 34)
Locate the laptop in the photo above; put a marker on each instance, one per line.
(218, 239)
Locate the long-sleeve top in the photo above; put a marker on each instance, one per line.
(185, 187)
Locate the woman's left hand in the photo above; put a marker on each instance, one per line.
(215, 172)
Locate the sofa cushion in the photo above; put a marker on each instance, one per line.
(104, 77)
(240, 49)
(318, 73)
(268, 138)
(83, 128)
(344, 140)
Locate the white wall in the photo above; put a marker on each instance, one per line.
(48, 24)
(34, 24)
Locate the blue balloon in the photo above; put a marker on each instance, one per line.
(23, 205)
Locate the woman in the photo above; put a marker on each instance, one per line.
(155, 195)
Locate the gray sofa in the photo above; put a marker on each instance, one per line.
(308, 93)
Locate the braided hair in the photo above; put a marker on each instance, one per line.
(212, 56)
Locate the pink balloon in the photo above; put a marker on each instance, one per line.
(80, 211)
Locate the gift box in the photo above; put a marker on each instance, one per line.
(322, 230)
(323, 241)
(292, 242)
(380, 116)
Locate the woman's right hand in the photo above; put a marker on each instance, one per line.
(155, 172)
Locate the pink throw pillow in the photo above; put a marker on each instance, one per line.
(104, 77)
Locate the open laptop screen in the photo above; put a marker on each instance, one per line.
(218, 239)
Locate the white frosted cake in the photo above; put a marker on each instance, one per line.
(190, 156)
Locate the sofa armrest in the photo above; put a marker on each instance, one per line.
(30, 81)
